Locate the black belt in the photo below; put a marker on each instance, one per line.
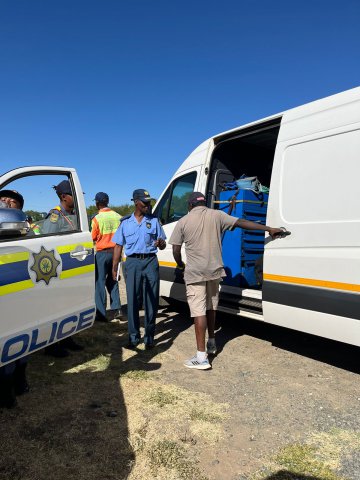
(142, 255)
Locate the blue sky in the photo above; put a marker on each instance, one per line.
(124, 91)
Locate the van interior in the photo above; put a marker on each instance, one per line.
(249, 152)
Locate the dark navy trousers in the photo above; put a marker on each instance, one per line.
(103, 279)
(142, 282)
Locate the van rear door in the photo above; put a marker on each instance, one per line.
(312, 277)
(46, 279)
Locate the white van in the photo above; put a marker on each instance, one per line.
(309, 157)
(46, 280)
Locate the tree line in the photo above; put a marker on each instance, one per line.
(122, 210)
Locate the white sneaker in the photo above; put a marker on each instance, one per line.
(194, 363)
(211, 348)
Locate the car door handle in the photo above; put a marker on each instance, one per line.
(81, 253)
(285, 233)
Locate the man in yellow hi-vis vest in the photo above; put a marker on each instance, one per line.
(103, 227)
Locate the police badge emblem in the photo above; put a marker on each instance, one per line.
(45, 265)
(54, 217)
(148, 224)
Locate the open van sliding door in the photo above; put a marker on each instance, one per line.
(312, 277)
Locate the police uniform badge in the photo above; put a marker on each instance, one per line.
(148, 224)
(54, 217)
(45, 265)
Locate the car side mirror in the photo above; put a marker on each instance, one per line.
(13, 223)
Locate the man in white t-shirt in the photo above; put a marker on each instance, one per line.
(201, 231)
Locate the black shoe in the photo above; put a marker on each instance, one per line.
(116, 314)
(100, 318)
(131, 346)
(149, 346)
(7, 392)
(56, 350)
(70, 343)
(21, 385)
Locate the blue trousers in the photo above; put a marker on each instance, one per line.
(142, 281)
(103, 279)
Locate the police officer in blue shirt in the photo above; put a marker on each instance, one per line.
(141, 234)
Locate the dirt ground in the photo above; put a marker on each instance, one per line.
(277, 405)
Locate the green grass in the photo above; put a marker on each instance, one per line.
(135, 375)
(202, 416)
(302, 459)
(161, 397)
(172, 456)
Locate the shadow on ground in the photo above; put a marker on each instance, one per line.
(286, 475)
(73, 424)
(334, 353)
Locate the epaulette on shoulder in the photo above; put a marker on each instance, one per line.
(125, 217)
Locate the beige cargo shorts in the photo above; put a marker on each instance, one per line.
(202, 296)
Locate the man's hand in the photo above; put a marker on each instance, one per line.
(276, 232)
(115, 272)
(160, 244)
(116, 261)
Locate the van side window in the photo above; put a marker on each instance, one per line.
(163, 207)
(173, 204)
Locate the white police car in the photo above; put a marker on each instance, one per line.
(46, 280)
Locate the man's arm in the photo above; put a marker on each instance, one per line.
(116, 260)
(94, 229)
(160, 242)
(248, 225)
(52, 222)
(177, 256)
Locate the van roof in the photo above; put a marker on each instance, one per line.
(287, 116)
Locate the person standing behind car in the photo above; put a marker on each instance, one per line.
(13, 379)
(201, 230)
(62, 218)
(141, 234)
(103, 227)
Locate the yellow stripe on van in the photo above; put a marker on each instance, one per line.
(16, 287)
(312, 282)
(14, 257)
(77, 271)
(168, 264)
(70, 248)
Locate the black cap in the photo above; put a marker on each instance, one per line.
(63, 188)
(196, 197)
(141, 194)
(13, 194)
(102, 197)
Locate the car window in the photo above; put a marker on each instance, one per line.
(36, 196)
(174, 203)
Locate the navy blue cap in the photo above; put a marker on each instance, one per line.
(63, 188)
(102, 197)
(196, 197)
(141, 194)
(13, 194)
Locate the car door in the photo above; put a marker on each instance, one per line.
(46, 280)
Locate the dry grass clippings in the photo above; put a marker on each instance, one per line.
(166, 434)
(320, 457)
